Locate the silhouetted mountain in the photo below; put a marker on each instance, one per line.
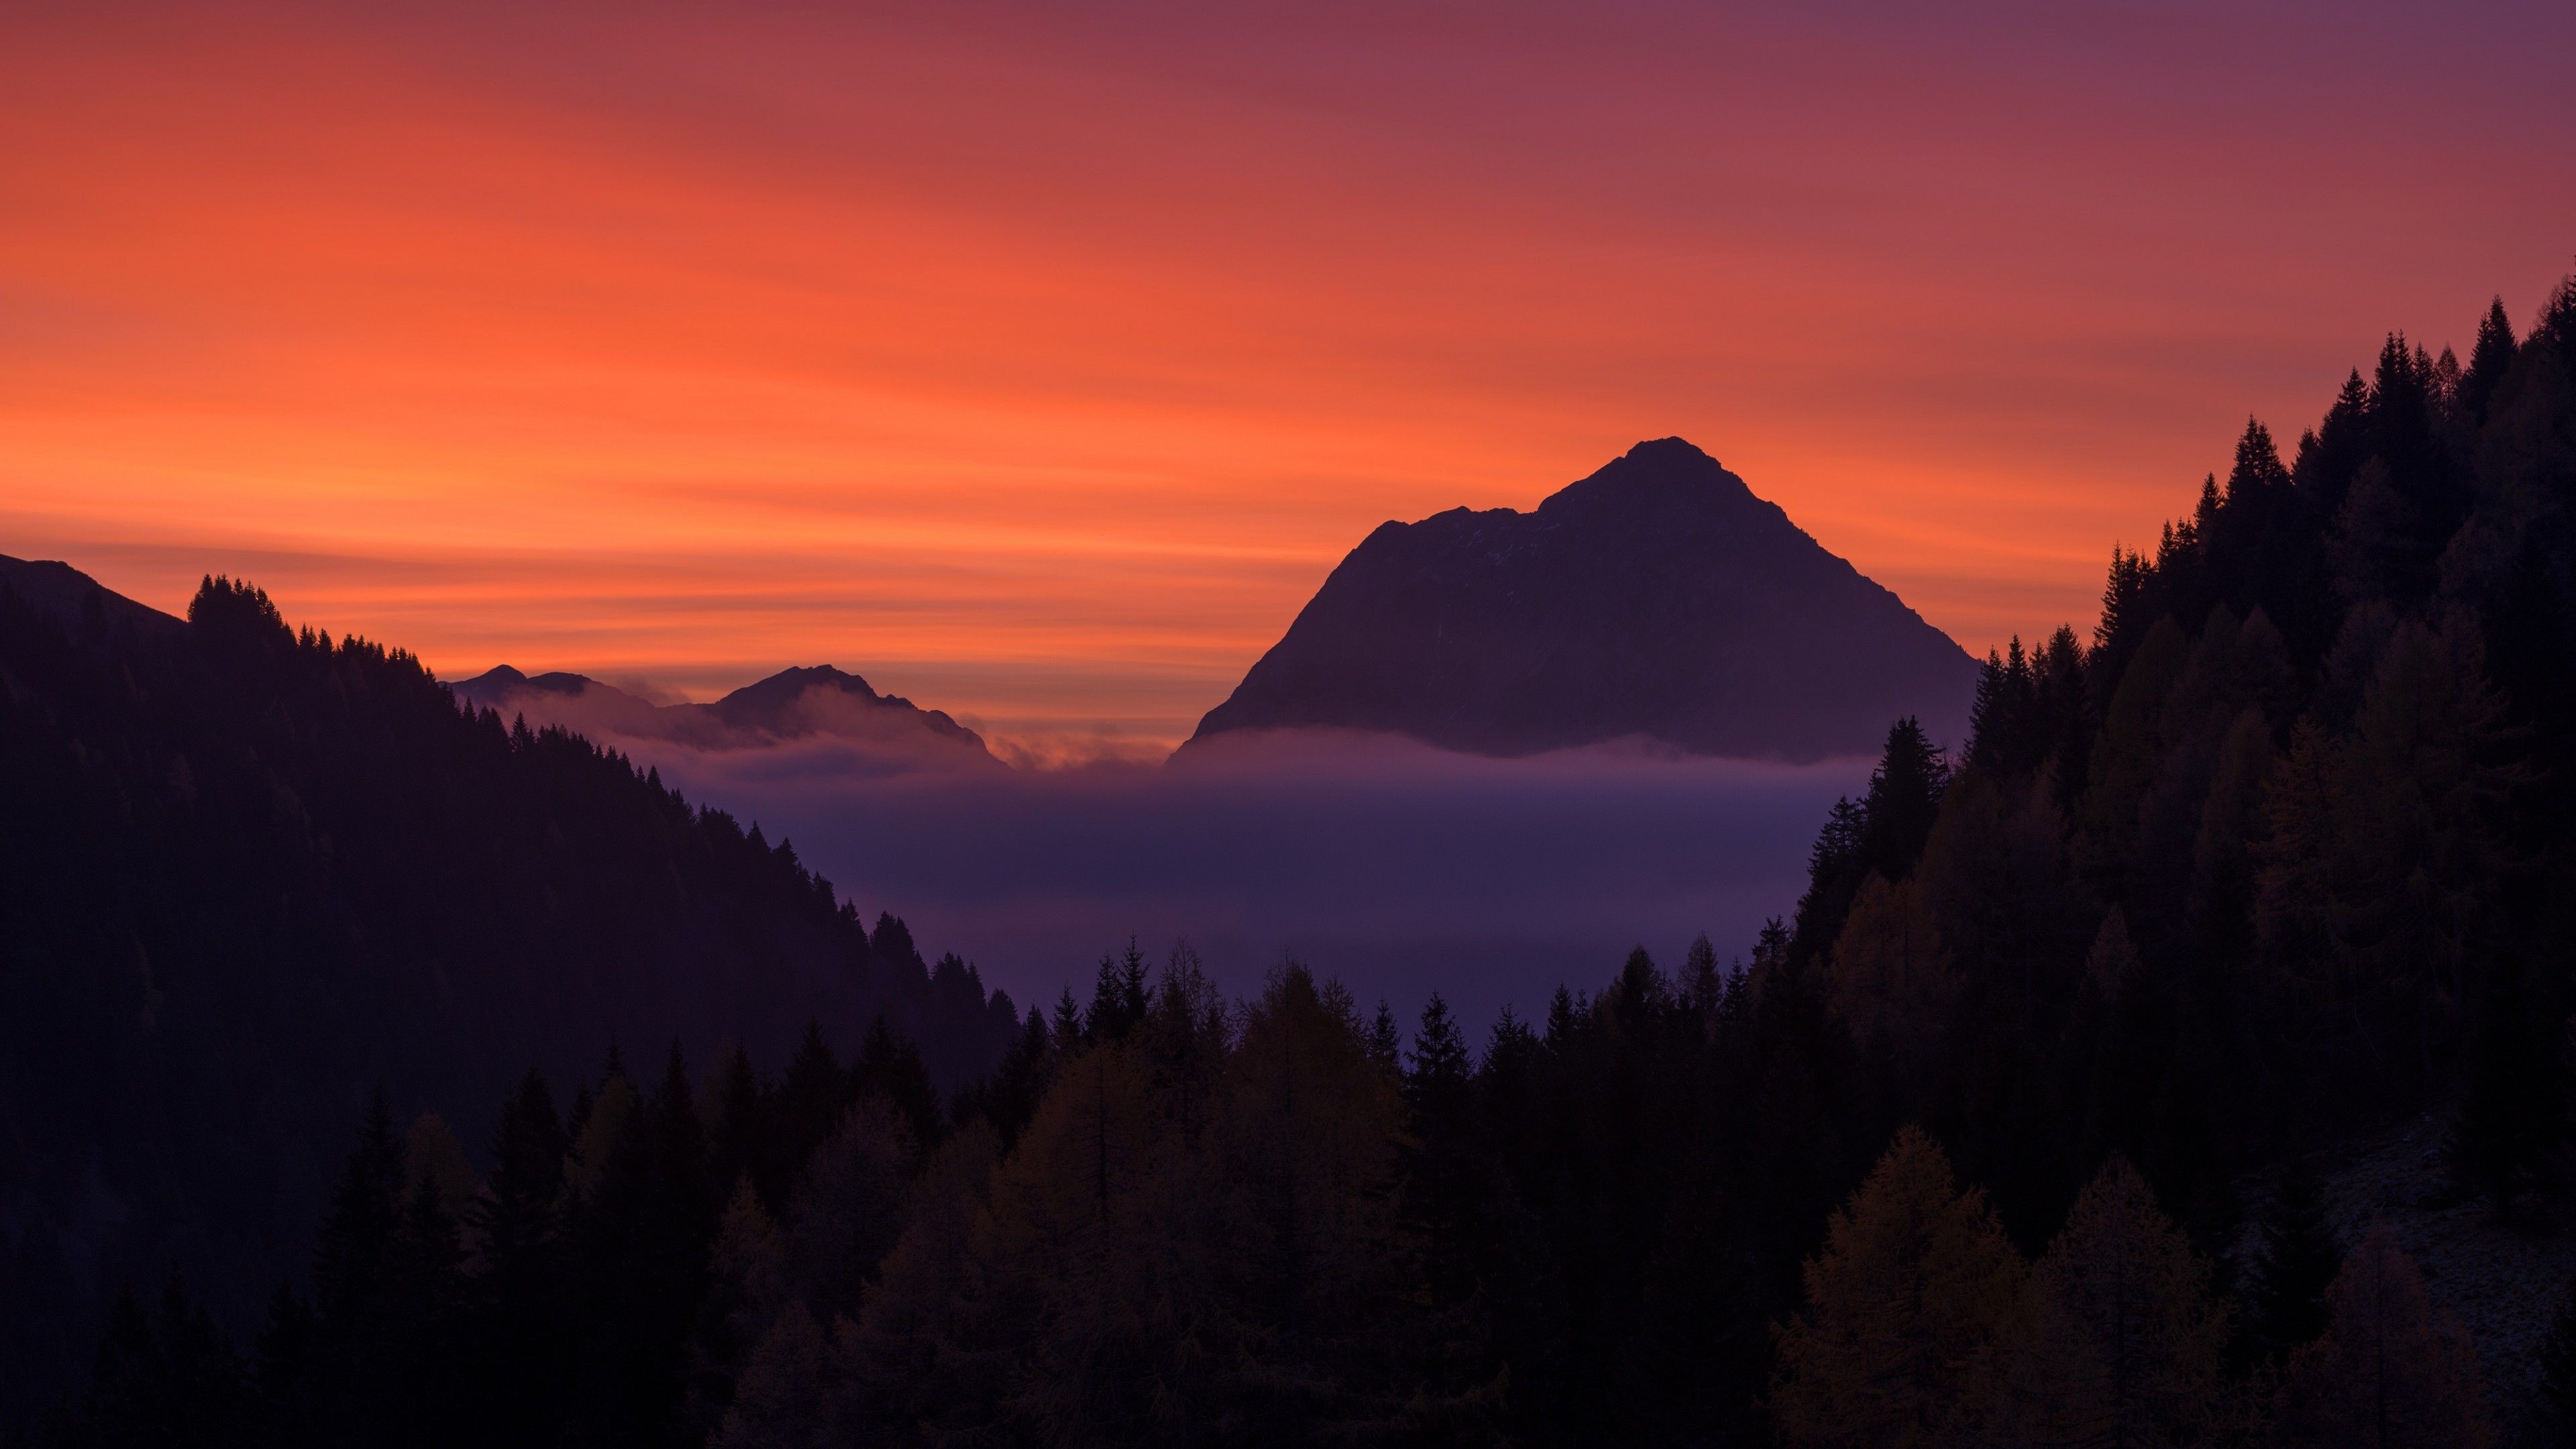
(791, 704)
(784, 703)
(498, 683)
(1658, 598)
(79, 601)
(250, 875)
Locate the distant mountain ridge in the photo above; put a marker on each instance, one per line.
(791, 704)
(78, 601)
(1657, 598)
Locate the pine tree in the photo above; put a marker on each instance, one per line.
(207, 1385)
(2122, 624)
(427, 1346)
(353, 1270)
(126, 1402)
(2489, 361)
(166, 1379)
(360, 1283)
(2257, 472)
(1640, 997)
(1565, 1021)
(286, 1377)
(1904, 797)
(2557, 1396)
(1912, 1311)
(685, 1202)
(2005, 734)
(614, 1323)
(1889, 974)
(1437, 1080)
(1118, 996)
(849, 1208)
(1452, 1188)
(1835, 869)
(1385, 1038)
(517, 1311)
(785, 1399)
(2128, 1341)
(1072, 1240)
(2300, 1257)
(2515, 1114)
(738, 1127)
(1010, 1097)
(2390, 1372)
(924, 1362)
(514, 1218)
(2062, 706)
(746, 1288)
(1987, 748)
(811, 1098)
(1307, 1133)
(2205, 511)
(889, 1068)
(432, 1155)
(1702, 984)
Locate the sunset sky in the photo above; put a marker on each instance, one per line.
(1039, 361)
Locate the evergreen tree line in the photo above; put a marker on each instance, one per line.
(1167, 1219)
(558, 1299)
(1924, 1324)
(2283, 851)
(248, 873)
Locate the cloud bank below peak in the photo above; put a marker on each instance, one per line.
(1397, 866)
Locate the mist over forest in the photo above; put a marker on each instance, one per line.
(1401, 868)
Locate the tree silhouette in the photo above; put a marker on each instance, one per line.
(1913, 1310)
(2389, 1373)
(2129, 1339)
(2300, 1258)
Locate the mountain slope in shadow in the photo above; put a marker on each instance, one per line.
(250, 876)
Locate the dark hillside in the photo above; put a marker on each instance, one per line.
(2282, 858)
(247, 875)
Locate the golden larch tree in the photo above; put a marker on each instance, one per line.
(1913, 1309)
(2129, 1338)
(2390, 1372)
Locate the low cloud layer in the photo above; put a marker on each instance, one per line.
(852, 734)
(1399, 868)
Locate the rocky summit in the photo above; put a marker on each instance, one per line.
(1658, 599)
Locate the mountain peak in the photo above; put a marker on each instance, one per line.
(80, 601)
(1657, 597)
(1659, 470)
(1669, 452)
(818, 698)
(792, 682)
(815, 699)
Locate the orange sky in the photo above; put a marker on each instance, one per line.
(1039, 362)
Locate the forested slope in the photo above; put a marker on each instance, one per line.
(250, 875)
